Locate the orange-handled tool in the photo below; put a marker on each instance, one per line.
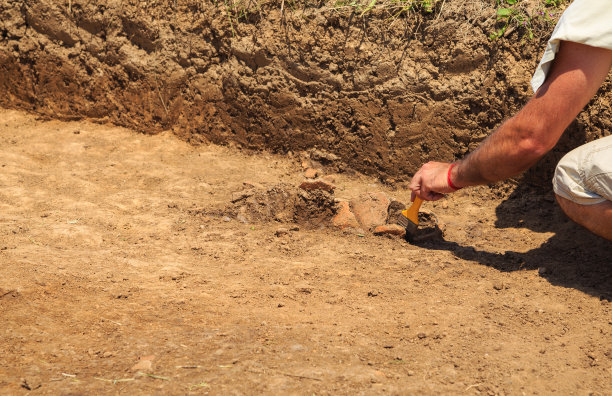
(410, 218)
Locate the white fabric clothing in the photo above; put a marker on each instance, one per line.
(584, 175)
(584, 21)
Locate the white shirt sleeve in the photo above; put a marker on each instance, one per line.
(584, 21)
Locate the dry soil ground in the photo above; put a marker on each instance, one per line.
(107, 256)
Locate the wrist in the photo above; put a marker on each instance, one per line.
(451, 177)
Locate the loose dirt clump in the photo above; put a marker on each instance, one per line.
(282, 203)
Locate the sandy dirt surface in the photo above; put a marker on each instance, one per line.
(115, 252)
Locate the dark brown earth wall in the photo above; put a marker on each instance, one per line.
(384, 94)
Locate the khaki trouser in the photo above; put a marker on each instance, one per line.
(584, 175)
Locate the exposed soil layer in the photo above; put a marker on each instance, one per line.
(384, 95)
(122, 272)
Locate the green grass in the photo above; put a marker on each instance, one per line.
(511, 15)
(394, 7)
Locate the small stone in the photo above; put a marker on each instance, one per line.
(297, 348)
(107, 354)
(410, 373)
(226, 219)
(344, 218)
(498, 286)
(543, 271)
(281, 232)
(294, 228)
(444, 205)
(390, 229)
(422, 335)
(317, 184)
(311, 173)
(142, 365)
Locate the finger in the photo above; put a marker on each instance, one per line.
(412, 196)
(436, 196)
(416, 180)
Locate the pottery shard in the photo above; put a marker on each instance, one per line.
(311, 173)
(390, 229)
(317, 184)
(344, 218)
(371, 209)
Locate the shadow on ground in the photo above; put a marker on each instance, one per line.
(573, 257)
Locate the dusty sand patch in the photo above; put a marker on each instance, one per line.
(106, 260)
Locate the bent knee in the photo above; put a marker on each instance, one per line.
(584, 175)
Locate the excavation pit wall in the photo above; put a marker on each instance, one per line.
(384, 95)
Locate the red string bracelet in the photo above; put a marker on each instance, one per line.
(448, 178)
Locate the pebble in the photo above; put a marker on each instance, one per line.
(498, 286)
(543, 271)
(226, 219)
(142, 365)
(311, 173)
(422, 335)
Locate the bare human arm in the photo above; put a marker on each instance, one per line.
(576, 74)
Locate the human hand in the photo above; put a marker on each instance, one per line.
(430, 182)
